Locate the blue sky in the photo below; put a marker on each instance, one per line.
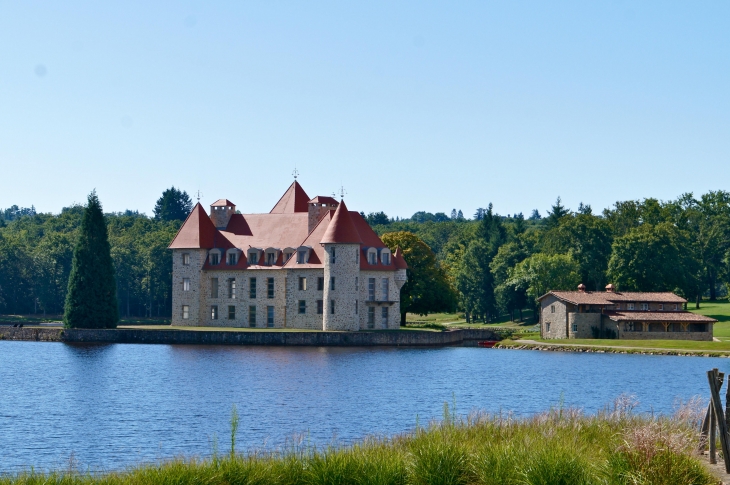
(410, 105)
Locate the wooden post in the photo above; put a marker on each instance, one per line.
(712, 378)
(713, 437)
(705, 429)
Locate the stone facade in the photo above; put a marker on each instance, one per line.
(632, 315)
(298, 292)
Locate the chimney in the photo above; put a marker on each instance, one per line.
(582, 288)
(609, 288)
(221, 212)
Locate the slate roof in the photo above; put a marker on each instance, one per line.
(197, 231)
(341, 229)
(294, 200)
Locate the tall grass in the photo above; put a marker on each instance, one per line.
(561, 446)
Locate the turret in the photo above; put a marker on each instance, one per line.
(221, 211)
(341, 244)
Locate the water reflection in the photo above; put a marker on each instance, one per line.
(114, 405)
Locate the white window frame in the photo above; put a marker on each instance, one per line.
(186, 312)
(186, 259)
(574, 328)
(186, 284)
(385, 257)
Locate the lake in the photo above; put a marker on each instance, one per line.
(111, 406)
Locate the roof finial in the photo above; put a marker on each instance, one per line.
(198, 195)
(295, 172)
(342, 191)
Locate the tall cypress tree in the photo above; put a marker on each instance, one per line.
(91, 300)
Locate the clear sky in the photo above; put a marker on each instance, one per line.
(410, 105)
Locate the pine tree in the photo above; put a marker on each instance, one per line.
(174, 205)
(91, 300)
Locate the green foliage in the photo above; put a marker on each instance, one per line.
(91, 300)
(541, 273)
(173, 205)
(653, 258)
(427, 289)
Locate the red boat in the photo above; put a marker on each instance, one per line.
(487, 343)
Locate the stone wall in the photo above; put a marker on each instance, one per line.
(346, 271)
(553, 324)
(467, 337)
(581, 325)
(380, 302)
(310, 319)
(191, 298)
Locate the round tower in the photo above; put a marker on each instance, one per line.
(341, 244)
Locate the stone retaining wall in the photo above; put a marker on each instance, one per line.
(467, 337)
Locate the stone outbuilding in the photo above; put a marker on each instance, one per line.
(623, 315)
(308, 264)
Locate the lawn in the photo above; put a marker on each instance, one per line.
(720, 311)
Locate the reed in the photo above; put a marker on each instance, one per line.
(561, 446)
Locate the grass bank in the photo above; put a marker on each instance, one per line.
(557, 447)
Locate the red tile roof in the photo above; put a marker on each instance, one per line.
(267, 230)
(222, 203)
(659, 317)
(294, 200)
(609, 298)
(398, 259)
(341, 229)
(197, 231)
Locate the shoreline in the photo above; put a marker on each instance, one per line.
(606, 349)
(392, 338)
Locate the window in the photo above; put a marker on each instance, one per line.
(302, 257)
(252, 288)
(253, 257)
(232, 259)
(269, 316)
(547, 327)
(186, 312)
(287, 256)
(552, 308)
(333, 257)
(385, 288)
(231, 312)
(186, 284)
(302, 307)
(252, 316)
(371, 289)
(269, 287)
(186, 259)
(661, 307)
(385, 257)
(214, 287)
(270, 259)
(629, 326)
(618, 306)
(332, 283)
(355, 307)
(575, 327)
(384, 316)
(214, 312)
(371, 317)
(320, 284)
(644, 306)
(675, 307)
(302, 283)
(629, 306)
(332, 307)
(215, 258)
(231, 287)
(372, 256)
(320, 307)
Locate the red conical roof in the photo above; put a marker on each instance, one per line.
(294, 200)
(197, 231)
(398, 259)
(341, 229)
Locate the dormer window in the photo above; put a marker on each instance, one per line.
(385, 257)
(372, 256)
(303, 255)
(271, 256)
(214, 257)
(288, 253)
(232, 257)
(253, 256)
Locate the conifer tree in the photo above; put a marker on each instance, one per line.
(91, 300)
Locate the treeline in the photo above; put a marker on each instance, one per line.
(36, 252)
(501, 264)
